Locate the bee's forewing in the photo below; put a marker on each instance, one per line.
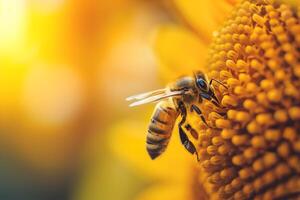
(156, 98)
(146, 94)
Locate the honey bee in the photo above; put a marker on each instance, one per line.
(175, 100)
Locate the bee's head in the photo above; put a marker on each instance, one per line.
(201, 81)
(205, 89)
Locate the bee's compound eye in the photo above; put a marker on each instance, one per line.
(201, 83)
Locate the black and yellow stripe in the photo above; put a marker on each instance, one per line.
(160, 128)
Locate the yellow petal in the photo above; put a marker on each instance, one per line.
(204, 16)
(165, 192)
(127, 141)
(179, 51)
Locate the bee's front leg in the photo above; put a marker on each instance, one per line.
(199, 112)
(210, 83)
(183, 137)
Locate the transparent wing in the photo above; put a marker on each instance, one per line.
(146, 94)
(156, 97)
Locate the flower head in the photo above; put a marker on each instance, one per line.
(253, 150)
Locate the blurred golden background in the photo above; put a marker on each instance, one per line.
(66, 131)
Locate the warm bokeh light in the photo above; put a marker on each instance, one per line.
(13, 19)
(66, 67)
(52, 93)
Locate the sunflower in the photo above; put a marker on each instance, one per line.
(127, 141)
(253, 149)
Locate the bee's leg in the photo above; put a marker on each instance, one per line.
(187, 143)
(198, 111)
(192, 131)
(183, 137)
(211, 80)
(216, 103)
(210, 83)
(183, 113)
(200, 99)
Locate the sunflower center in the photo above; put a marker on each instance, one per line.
(254, 149)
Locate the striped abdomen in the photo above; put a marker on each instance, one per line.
(160, 128)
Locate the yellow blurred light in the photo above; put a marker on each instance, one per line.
(48, 5)
(52, 94)
(136, 63)
(12, 24)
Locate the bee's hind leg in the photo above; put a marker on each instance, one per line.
(183, 137)
(187, 143)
